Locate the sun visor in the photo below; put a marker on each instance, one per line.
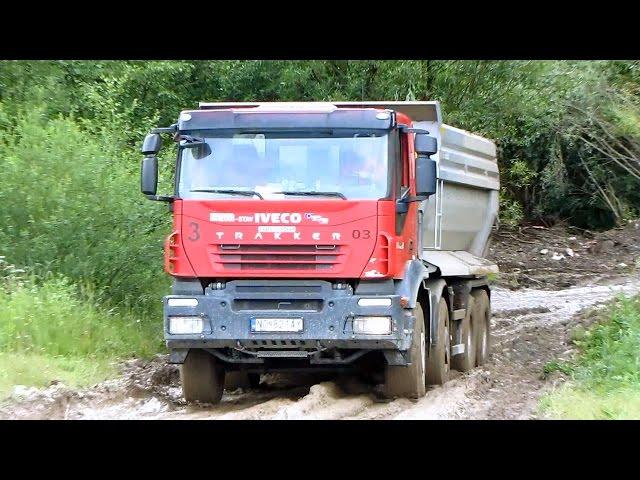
(285, 119)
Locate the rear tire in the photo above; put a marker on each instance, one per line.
(467, 361)
(409, 381)
(202, 377)
(238, 379)
(438, 362)
(482, 326)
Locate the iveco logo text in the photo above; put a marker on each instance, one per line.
(266, 217)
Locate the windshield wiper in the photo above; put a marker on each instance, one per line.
(312, 193)
(248, 193)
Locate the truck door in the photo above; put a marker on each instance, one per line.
(406, 222)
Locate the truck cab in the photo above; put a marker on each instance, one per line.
(312, 236)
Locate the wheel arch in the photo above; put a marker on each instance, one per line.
(429, 296)
(416, 286)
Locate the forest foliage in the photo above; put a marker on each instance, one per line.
(568, 134)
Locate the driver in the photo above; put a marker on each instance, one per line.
(351, 166)
(240, 168)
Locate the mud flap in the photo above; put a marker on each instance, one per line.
(435, 288)
(178, 355)
(397, 358)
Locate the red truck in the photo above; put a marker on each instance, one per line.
(316, 235)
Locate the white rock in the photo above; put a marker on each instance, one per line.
(622, 265)
(557, 256)
(544, 251)
(569, 252)
(22, 392)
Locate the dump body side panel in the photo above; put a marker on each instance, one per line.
(460, 216)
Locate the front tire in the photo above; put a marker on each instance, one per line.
(202, 377)
(409, 381)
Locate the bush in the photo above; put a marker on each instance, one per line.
(510, 212)
(71, 205)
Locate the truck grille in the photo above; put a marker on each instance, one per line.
(238, 257)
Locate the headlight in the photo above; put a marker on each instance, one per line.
(182, 302)
(374, 302)
(372, 325)
(185, 325)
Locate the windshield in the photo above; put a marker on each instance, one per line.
(349, 164)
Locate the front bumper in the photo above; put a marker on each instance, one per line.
(327, 314)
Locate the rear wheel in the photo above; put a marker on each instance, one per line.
(482, 327)
(202, 377)
(409, 381)
(465, 361)
(438, 361)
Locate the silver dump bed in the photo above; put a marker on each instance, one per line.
(458, 218)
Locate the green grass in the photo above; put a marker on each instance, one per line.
(35, 370)
(576, 403)
(605, 378)
(50, 330)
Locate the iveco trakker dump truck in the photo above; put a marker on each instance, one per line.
(342, 235)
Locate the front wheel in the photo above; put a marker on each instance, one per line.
(409, 381)
(202, 377)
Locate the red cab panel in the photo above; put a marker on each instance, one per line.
(277, 238)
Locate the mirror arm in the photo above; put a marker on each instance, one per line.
(406, 129)
(189, 139)
(161, 198)
(417, 198)
(171, 129)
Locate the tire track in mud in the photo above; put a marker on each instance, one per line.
(529, 328)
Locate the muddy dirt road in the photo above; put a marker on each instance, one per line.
(530, 328)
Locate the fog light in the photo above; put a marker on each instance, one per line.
(372, 325)
(185, 325)
(374, 302)
(182, 302)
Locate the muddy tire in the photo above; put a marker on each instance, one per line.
(482, 328)
(467, 361)
(202, 377)
(238, 379)
(409, 381)
(439, 359)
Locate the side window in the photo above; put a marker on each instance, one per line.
(395, 164)
(404, 152)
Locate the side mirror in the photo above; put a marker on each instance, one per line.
(426, 171)
(425, 144)
(426, 176)
(152, 144)
(200, 150)
(149, 175)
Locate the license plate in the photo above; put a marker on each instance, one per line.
(276, 325)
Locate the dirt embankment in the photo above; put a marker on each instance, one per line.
(561, 257)
(530, 327)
